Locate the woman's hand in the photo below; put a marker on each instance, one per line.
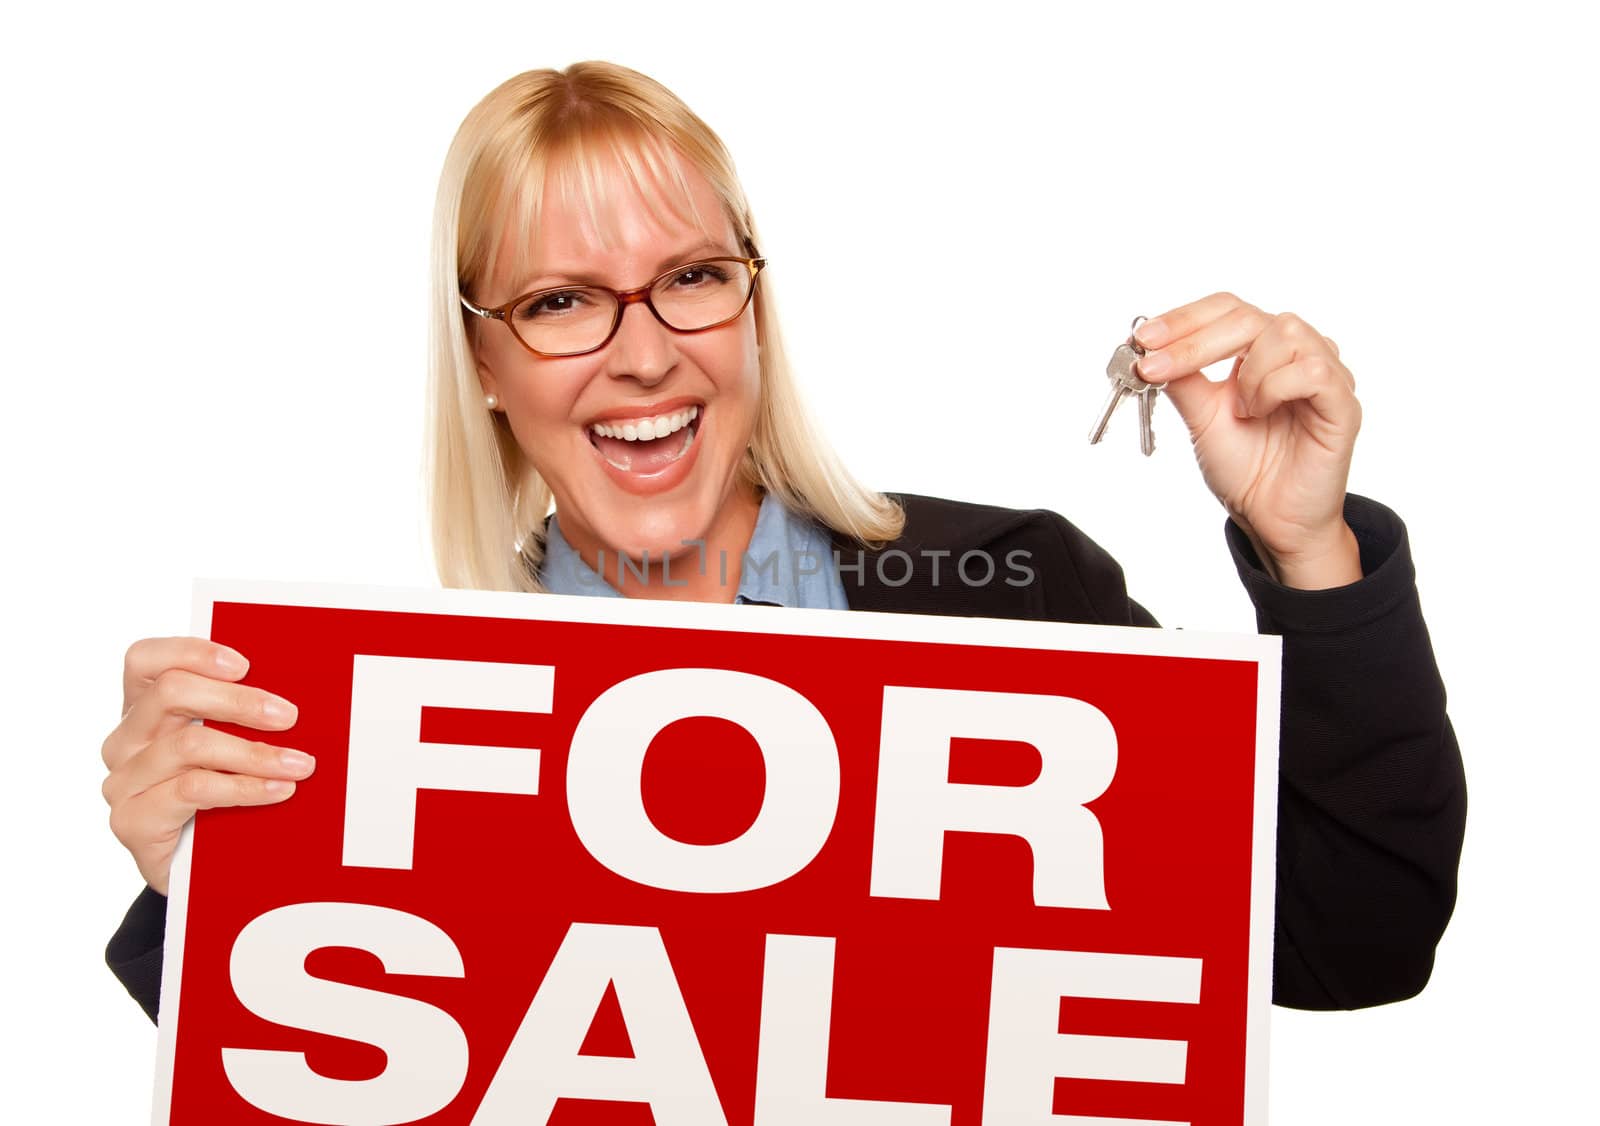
(1273, 439)
(163, 766)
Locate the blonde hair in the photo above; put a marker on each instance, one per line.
(580, 126)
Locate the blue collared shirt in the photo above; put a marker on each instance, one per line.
(789, 563)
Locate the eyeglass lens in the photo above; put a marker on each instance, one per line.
(578, 319)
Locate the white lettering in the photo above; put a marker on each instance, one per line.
(606, 758)
(1027, 1054)
(543, 1063)
(792, 1067)
(389, 763)
(918, 804)
(426, 1048)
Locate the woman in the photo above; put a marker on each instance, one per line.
(637, 379)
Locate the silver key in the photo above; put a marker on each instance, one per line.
(1147, 410)
(1123, 383)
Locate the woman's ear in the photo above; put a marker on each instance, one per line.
(486, 379)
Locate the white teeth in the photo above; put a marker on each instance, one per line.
(645, 429)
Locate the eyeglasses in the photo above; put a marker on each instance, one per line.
(575, 319)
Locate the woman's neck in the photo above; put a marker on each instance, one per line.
(706, 571)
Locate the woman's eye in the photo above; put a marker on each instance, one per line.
(695, 277)
(552, 305)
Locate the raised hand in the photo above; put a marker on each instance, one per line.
(1274, 439)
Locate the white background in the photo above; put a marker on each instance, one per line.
(215, 240)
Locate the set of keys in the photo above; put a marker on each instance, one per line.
(1124, 383)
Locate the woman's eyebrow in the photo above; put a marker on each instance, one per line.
(705, 248)
(545, 279)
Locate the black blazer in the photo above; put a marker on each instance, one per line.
(1372, 800)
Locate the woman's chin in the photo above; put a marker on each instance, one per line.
(640, 528)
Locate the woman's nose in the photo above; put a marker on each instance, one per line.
(644, 348)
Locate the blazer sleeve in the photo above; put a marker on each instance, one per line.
(1371, 797)
(134, 952)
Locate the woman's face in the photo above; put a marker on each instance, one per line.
(642, 498)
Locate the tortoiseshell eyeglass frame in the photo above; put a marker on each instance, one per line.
(624, 298)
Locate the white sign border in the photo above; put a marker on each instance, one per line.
(1264, 651)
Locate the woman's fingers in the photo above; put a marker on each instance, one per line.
(1228, 335)
(1197, 335)
(163, 766)
(196, 746)
(1194, 336)
(1177, 323)
(148, 824)
(1201, 333)
(1315, 379)
(1288, 342)
(177, 696)
(148, 658)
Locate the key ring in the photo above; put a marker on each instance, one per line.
(1138, 349)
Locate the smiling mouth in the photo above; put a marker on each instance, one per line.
(646, 446)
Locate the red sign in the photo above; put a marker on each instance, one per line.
(569, 860)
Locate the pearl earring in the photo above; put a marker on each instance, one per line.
(491, 402)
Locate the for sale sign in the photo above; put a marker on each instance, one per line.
(570, 860)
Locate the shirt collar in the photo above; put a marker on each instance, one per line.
(563, 570)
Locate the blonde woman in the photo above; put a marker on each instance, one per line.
(605, 340)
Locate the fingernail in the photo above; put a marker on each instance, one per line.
(1155, 363)
(231, 662)
(297, 762)
(279, 710)
(1152, 334)
(1240, 407)
(279, 786)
